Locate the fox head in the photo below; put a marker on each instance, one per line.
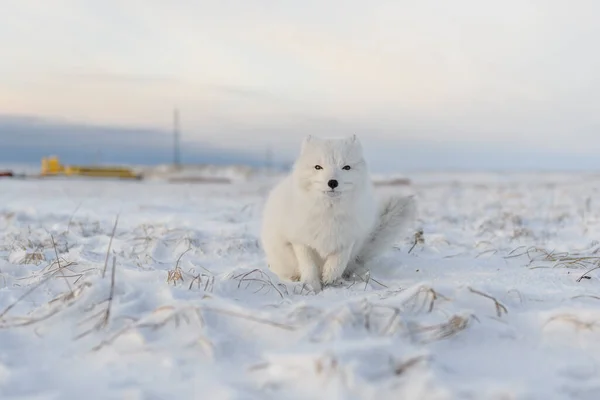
(331, 168)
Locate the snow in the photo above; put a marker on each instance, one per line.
(487, 305)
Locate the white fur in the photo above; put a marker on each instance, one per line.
(314, 234)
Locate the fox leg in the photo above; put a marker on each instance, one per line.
(335, 264)
(309, 270)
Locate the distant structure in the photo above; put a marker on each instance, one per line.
(51, 166)
(176, 138)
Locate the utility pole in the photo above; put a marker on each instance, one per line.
(176, 156)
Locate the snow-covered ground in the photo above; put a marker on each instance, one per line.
(487, 305)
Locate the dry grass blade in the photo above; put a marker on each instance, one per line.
(206, 344)
(197, 278)
(249, 318)
(393, 323)
(65, 265)
(419, 239)
(35, 258)
(572, 319)
(210, 281)
(264, 279)
(111, 295)
(379, 283)
(109, 246)
(177, 316)
(64, 300)
(589, 296)
(64, 297)
(28, 292)
(559, 259)
(180, 256)
(429, 298)
(585, 275)
(402, 368)
(444, 330)
(492, 251)
(513, 255)
(367, 278)
(176, 274)
(106, 313)
(499, 306)
(73, 215)
(59, 267)
(21, 322)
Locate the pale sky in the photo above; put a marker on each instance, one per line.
(249, 73)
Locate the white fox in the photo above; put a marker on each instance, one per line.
(322, 221)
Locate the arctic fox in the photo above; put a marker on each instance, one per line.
(322, 221)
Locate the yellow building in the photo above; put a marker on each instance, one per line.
(51, 166)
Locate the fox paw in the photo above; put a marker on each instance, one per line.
(330, 279)
(314, 283)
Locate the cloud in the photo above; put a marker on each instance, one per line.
(26, 139)
(114, 78)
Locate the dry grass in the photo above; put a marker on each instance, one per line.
(328, 365)
(589, 296)
(112, 235)
(424, 299)
(500, 308)
(376, 319)
(105, 314)
(325, 365)
(32, 289)
(143, 242)
(176, 274)
(572, 319)
(444, 330)
(403, 367)
(208, 281)
(543, 258)
(72, 216)
(384, 319)
(35, 258)
(419, 239)
(59, 267)
(205, 280)
(58, 304)
(63, 269)
(556, 259)
(55, 269)
(257, 275)
(585, 274)
(157, 319)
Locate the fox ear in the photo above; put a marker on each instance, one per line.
(306, 141)
(354, 144)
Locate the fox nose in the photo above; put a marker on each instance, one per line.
(332, 184)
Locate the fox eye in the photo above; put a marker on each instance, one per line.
(346, 167)
(318, 167)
